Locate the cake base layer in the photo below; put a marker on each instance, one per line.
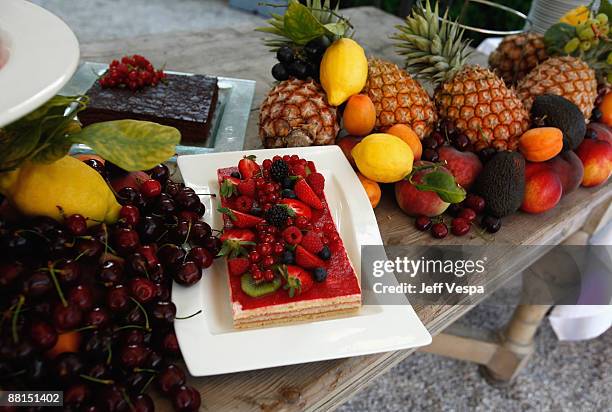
(294, 318)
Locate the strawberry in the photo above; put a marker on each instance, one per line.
(312, 242)
(234, 242)
(297, 280)
(306, 194)
(228, 186)
(247, 188)
(317, 182)
(248, 168)
(243, 203)
(299, 169)
(311, 167)
(306, 259)
(298, 208)
(238, 266)
(239, 219)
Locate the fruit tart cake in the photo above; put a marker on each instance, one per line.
(132, 89)
(285, 259)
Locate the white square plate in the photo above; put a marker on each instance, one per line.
(210, 344)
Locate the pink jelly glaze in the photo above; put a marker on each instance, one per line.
(341, 278)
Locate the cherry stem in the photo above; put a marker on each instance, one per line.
(190, 316)
(127, 400)
(88, 327)
(144, 312)
(57, 285)
(145, 370)
(129, 327)
(207, 194)
(15, 318)
(146, 385)
(188, 233)
(109, 357)
(96, 380)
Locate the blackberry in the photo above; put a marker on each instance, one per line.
(279, 170)
(277, 216)
(236, 175)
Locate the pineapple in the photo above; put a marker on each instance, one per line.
(517, 55)
(296, 113)
(399, 98)
(565, 76)
(475, 100)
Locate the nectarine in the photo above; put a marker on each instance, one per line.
(596, 157)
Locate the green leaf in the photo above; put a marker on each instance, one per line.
(228, 212)
(336, 29)
(131, 144)
(228, 189)
(558, 35)
(443, 184)
(606, 8)
(300, 25)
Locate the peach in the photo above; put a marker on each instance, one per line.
(596, 157)
(569, 169)
(543, 188)
(465, 166)
(347, 143)
(415, 202)
(602, 131)
(408, 135)
(372, 189)
(359, 115)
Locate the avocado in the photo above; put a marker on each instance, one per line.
(502, 183)
(555, 111)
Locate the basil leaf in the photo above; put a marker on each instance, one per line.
(300, 25)
(130, 144)
(444, 185)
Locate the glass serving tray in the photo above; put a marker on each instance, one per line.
(230, 118)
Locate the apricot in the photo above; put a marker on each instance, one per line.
(372, 189)
(541, 144)
(606, 109)
(346, 144)
(408, 135)
(66, 342)
(359, 115)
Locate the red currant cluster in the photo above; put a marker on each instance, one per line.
(135, 72)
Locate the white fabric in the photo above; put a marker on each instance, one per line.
(489, 45)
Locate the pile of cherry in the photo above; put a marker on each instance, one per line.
(87, 310)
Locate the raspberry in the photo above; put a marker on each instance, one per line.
(243, 204)
(311, 167)
(292, 235)
(312, 242)
(316, 182)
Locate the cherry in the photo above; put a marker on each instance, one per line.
(130, 214)
(130, 196)
(150, 229)
(97, 346)
(96, 165)
(166, 207)
(82, 297)
(97, 317)
(159, 173)
(67, 366)
(37, 284)
(186, 399)
(135, 317)
(422, 223)
(68, 272)
(112, 399)
(163, 291)
(149, 251)
(127, 240)
(439, 230)
(150, 188)
(188, 216)
(491, 224)
(156, 273)
(188, 201)
(474, 202)
(200, 232)
(100, 370)
(59, 243)
(89, 248)
(173, 188)
(171, 256)
(133, 337)
(76, 224)
(154, 361)
(169, 344)
(142, 289)
(76, 394)
(9, 271)
(138, 264)
(43, 335)
(134, 356)
(118, 299)
(36, 370)
(213, 244)
(67, 317)
(135, 381)
(460, 226)
(461, 142)
(454, 209)
(467, 214)
(169, 378)
(188, 273)
(430, 155)
(163, 312)
(430, 143)
(142, 403)
(111, 272)
(202, 257)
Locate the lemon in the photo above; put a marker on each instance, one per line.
(383, 158)
(58, 189)
(344, 70)
(576, 16)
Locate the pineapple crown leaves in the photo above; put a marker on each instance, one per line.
(432, 45)
(302, 23)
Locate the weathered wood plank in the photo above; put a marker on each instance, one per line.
(238, 52)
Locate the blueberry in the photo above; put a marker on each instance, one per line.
(288, 193)
(287, 257)
(288, 183)
(256, 211)
(236, 175)
(325, 253)
(319, 274)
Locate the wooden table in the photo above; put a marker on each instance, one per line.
(238, 52)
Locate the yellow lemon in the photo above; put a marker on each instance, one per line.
(344, 70)
(576, 16)
(58, 189)
(383, 158)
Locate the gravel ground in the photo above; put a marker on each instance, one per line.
(562, 376)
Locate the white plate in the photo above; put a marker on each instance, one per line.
(40, 55)
(209, 343)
